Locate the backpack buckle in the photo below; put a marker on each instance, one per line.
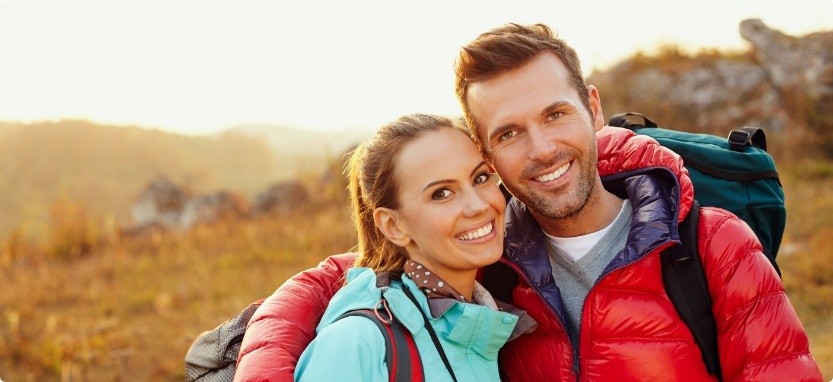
(376, 310)
(738, 139)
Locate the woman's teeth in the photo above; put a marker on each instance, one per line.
(478, 233)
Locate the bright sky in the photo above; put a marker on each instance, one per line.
(200, 66)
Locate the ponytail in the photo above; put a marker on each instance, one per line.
(375, 250)
(371, 171)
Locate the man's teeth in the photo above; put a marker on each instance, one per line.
(478, 233)
(553, 175)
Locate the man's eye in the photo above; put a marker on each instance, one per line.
(441, 194)
(507, 135)
(553, 116)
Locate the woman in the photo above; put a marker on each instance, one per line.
(426, 208)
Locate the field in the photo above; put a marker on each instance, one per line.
(82, 302)
(128, 308)
(130, 311)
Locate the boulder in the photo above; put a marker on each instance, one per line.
(207, 209)
(782, 82)
(160, 204)
(804, 63)
(280, 199)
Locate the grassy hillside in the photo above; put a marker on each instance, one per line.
(105, 167)
(130, 308)
(129, 311)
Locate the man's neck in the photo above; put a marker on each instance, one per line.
(599, 211)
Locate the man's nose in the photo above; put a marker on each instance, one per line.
(541, 147)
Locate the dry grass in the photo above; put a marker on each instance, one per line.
(807, 265)
(128, 309)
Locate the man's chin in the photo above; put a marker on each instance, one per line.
(554, 206)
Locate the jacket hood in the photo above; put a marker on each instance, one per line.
(621, 152)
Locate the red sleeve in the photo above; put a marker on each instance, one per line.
(760, 337)
(285, 324)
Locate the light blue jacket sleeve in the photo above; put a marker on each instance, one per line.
(350, 349)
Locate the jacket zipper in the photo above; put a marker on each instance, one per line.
(576, 348)
(659, 249)
(561, 324)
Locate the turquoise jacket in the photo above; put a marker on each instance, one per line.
(353, 349)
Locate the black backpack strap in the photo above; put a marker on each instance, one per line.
(747, 136)
(630, 120)
(398, 354)
(432, 333)
(686, 286)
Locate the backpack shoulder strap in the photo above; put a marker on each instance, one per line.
(433, 334)
(686, 286)
(630, 120)
(401, 355)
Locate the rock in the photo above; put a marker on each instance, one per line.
(280, 199)
(207, 209)
(160, 204)
(801, 69)
(783, 82)
(793, 63)
(714, 95)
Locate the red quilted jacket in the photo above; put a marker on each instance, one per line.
(629, 328)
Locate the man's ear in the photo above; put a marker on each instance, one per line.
(387, 222)
(595, 107)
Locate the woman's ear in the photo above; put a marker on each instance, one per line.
(387, 222)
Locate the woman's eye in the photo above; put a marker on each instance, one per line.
(441, 194)
(482, 178)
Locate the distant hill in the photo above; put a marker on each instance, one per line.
(311, 149)
(105, 167)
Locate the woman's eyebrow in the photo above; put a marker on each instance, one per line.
(444, 181)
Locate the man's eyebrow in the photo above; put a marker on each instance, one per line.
(554, 106)
(501, 129)
(549, 109)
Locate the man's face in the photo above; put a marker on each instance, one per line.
(539, 136)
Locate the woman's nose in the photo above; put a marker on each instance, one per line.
(475, 204)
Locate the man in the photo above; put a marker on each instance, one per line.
(585, 231)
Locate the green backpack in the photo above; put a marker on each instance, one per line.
(734, 173)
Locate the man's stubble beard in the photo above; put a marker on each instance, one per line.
(557, 206)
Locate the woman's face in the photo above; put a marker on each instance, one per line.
(451, 209)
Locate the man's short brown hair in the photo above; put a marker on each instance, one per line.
(509, 47)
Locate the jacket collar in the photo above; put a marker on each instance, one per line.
(654, 194)
(470, 326)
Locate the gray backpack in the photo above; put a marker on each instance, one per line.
(213, 355)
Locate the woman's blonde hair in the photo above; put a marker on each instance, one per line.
(373, 184)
